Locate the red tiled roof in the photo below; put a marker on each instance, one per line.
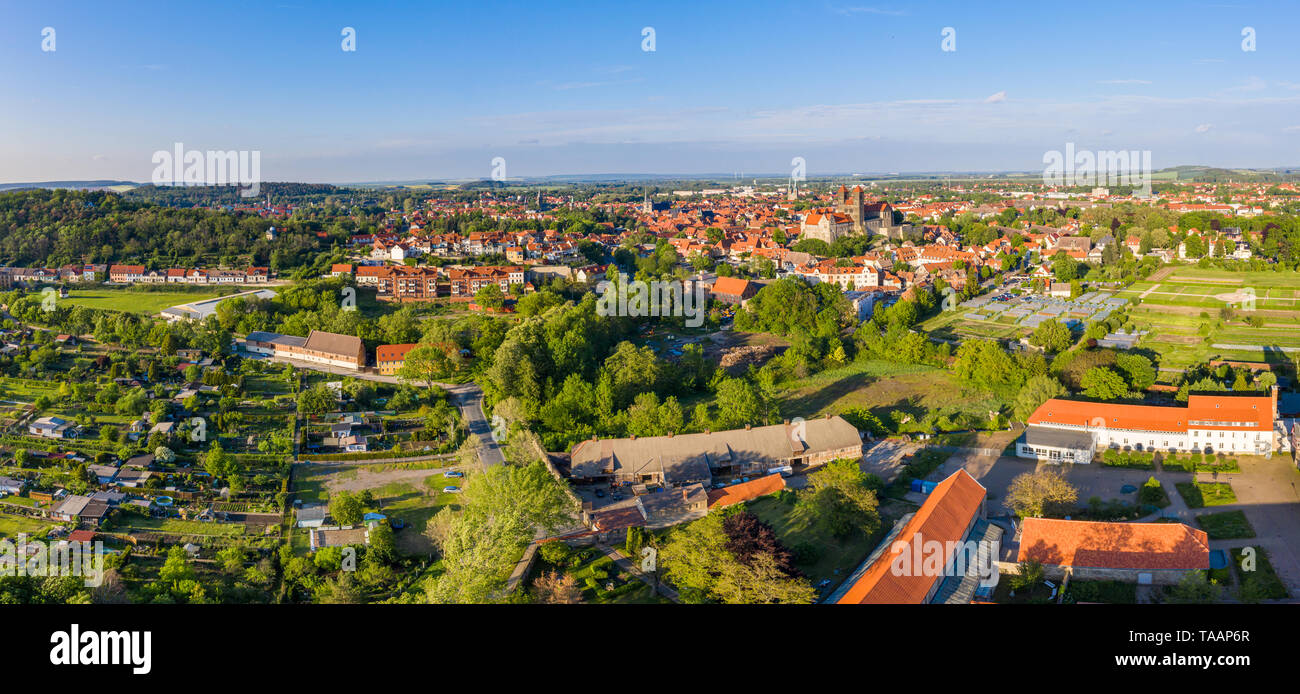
(733, 286)
(945, 517)
(393, 352)
(1114, 545)
(1257, 411)
(745, 491)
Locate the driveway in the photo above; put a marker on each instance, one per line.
(885, 458)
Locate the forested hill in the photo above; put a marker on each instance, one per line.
(50, 228)
(212, 196)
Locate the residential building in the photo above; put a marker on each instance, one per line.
(390, 358)
(53, 428)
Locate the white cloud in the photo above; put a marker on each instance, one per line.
(1204, 128)
(997, 98)
(1123, 81)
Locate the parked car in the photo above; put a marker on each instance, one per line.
(451, 489)
(453, 473)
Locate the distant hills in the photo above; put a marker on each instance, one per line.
(1185, 173)
(115, 186)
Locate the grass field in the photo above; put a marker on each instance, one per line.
(1270, 585)
(132, 301)
(11, 526)
(835, 558)
(1202, 494)
(1229, 525)
(884, 387)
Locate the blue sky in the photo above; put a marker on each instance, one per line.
(437, 90)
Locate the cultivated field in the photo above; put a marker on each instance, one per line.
(1184, 315)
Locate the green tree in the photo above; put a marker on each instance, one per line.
(841, 499)
(1035, 494)
(490, 296)
(1104, 384)
(346, 508)
(1052, 335)
(1036, 391)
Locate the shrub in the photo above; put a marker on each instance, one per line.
(555, 553)
(1152, 493)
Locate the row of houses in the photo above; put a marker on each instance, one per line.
(139, 274)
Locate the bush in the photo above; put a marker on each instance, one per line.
(555, 553)
(1152, 493)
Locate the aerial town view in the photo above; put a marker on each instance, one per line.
(682, 304)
